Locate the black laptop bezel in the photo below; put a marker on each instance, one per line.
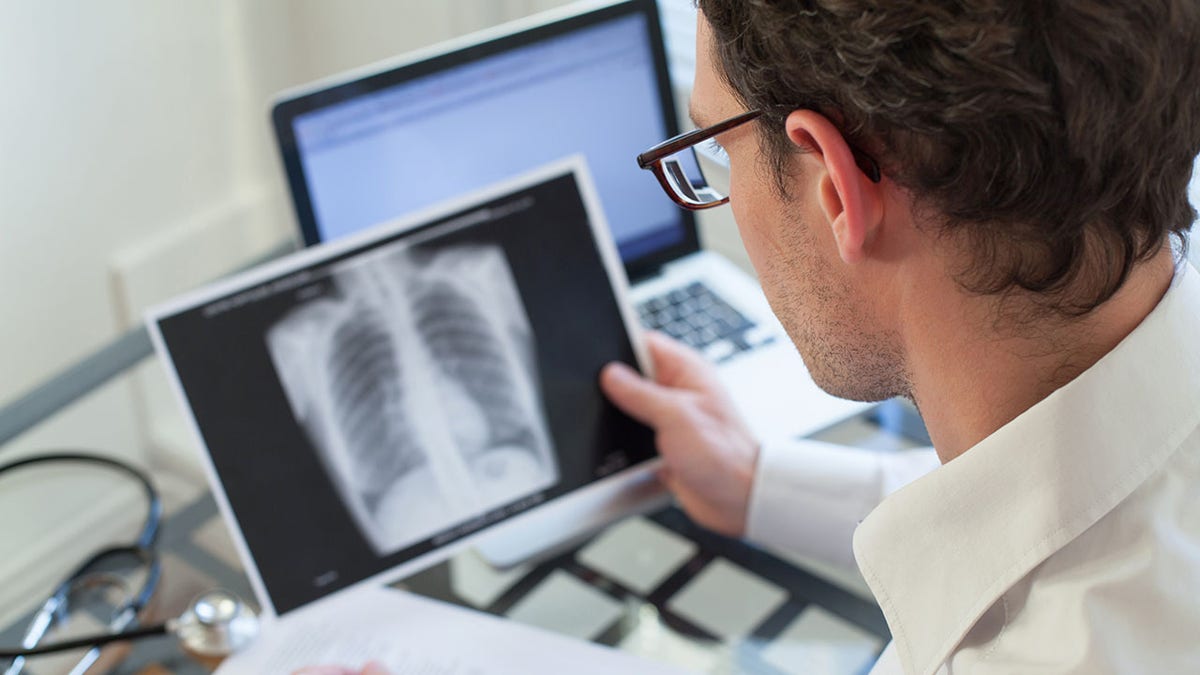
(286, 110)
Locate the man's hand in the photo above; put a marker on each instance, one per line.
(708, 453)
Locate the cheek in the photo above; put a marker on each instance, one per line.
(752, 211)
(743, 216)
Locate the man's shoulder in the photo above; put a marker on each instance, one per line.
(1123, 592)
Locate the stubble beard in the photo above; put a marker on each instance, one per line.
(846, 356)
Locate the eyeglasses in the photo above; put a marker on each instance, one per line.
(681, 174)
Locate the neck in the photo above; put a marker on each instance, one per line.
(970, 383)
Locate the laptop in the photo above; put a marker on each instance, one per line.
(386, 140)
(367, 407)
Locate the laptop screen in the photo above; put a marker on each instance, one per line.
(388, 144)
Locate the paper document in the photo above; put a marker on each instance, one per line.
(412, 635)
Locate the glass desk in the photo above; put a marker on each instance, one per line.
(709, 604)
(655, 585)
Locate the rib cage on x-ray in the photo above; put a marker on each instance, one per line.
(416, 382)
(452, 325)
(368, 403)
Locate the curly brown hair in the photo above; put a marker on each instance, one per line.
(1057, 136)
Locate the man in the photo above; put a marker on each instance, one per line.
(971, 205)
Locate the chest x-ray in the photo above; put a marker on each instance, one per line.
(413, 372)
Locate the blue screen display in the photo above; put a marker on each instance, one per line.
(594, 92)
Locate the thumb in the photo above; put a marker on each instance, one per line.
(374, 668)
(641, 399)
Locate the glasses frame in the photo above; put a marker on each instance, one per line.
(655, 159)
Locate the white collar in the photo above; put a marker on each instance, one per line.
(938, 553)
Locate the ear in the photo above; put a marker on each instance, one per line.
(852, 202)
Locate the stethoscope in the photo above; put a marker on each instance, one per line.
(216, 624)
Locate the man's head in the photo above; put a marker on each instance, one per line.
(1047, 144)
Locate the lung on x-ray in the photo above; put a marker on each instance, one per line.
(413, 373)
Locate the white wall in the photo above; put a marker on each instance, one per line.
(102, 142)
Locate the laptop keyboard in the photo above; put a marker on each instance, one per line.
(697, 316)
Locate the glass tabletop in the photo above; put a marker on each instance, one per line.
(654, 585)
(663, 588)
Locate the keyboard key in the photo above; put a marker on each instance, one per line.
(724, 328)
(698, 317)
(678, 329)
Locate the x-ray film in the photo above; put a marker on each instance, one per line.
(364, 405)
(414, 375)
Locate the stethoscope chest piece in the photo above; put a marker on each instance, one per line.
(216, 625)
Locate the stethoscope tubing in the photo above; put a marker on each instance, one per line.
(154, 506)
(200, 632)
(143, 548)
(89, 641)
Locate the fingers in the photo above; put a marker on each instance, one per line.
(668, 478)
(676, 364)
(676, 367)
(641, 399)
(374, 668)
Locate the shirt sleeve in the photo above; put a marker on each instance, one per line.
(808, 496)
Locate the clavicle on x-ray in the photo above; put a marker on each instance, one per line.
(414, 374)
